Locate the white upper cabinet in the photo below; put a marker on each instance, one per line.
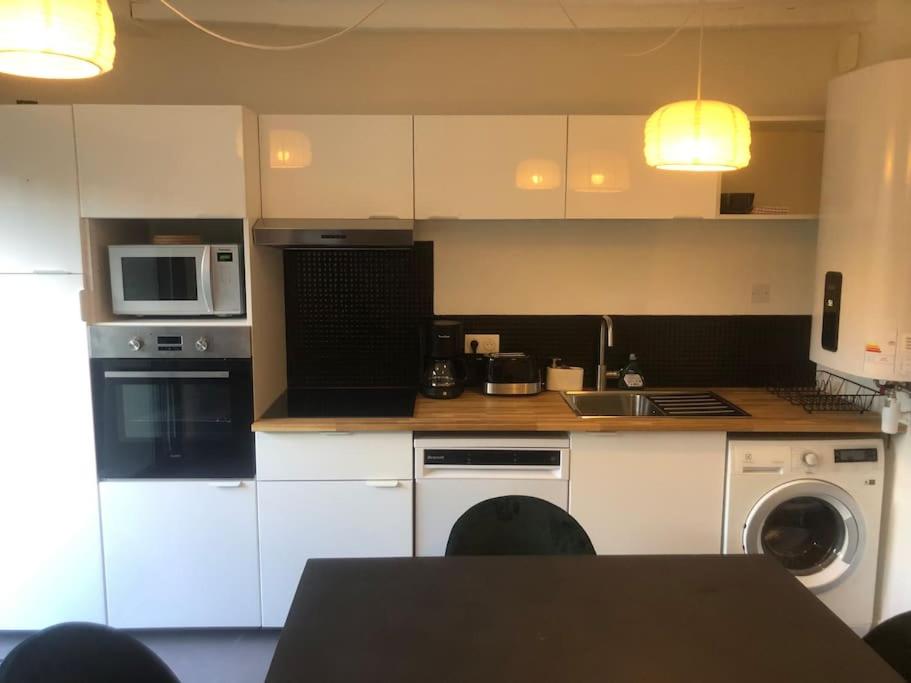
(494, 167)
(140, 161)
(39, 201)
(327, 166)
(608, 176)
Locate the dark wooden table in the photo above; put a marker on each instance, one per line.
(692, 619)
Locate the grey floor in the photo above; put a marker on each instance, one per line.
(222, 656)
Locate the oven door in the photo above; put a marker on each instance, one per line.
(156, 280)
(186, 419)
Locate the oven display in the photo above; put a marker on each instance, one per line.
(170, 343)
(855, 455)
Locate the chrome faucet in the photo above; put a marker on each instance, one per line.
(607, 341)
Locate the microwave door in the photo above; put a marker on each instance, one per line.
(160, 280)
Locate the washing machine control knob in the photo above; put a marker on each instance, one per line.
(810, 459)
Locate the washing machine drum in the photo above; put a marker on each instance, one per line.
(813, 528)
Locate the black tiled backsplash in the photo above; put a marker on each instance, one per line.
(352, 319)
(352, 316)
(673, 350)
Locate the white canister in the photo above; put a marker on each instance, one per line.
(564, 379)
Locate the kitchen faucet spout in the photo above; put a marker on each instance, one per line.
(606, 342)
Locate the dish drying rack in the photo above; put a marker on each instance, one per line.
(832, 393)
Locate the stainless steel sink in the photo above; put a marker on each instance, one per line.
(654, 404)
(610, 404)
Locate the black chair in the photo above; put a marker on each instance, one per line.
(892, 641)
(83, 653)
(517, 525)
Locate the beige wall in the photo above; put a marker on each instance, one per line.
(888, 36)
(621, 267)
(782, 71)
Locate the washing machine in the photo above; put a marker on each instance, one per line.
(815, 506)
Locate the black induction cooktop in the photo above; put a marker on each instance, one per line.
(345, 402)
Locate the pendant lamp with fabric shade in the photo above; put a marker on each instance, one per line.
(698, 135)
(65, 39)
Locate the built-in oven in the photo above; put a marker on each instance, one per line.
(176, 280)
(172, 402)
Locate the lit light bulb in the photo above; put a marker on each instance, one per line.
(597, 179)
(64, 39)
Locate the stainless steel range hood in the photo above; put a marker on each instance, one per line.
(356, 233)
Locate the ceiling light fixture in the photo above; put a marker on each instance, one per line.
(56, 38)
(698, 135)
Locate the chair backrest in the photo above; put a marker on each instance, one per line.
(82, 653)
(892, 641)
(517, 525)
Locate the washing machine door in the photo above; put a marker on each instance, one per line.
(813, 528)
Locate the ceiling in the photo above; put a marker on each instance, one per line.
(506, 14)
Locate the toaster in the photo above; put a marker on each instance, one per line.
(512, 374)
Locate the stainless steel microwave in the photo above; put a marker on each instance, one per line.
(178, 280)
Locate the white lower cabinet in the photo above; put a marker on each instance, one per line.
(180, 554)
(329, 495)
(303, 519)
(649, 493)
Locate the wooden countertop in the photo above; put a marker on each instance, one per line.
(547, 412)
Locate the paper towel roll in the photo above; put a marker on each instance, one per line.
(564, 379)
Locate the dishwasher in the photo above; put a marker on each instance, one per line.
(456, 471)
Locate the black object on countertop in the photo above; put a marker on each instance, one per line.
(344, 402)
(443, 375)
(517, 525)
(623, 619)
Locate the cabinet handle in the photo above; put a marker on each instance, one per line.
(380, 216)
(52, 271)
(442, 218)
(337, 433)
(226, 484)
(382, 484)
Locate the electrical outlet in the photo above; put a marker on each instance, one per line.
(487, 343)
(762, 293)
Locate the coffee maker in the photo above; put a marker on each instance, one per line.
(443, 375)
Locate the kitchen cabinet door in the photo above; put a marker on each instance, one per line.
(328, 166)
(649, 493)
(141, 161)
(607, 176)
(51, 537)
(489, 166)
(39, 199)
(180, 554)
(303, 519)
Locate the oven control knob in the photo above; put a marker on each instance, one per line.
(135, 343)
(202, 344)
(810, 459)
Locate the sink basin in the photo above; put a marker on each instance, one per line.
(610, 404)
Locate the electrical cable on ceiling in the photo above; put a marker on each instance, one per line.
(663, 43)
(260, 46)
